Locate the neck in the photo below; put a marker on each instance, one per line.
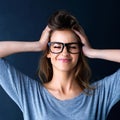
(63, 86)
(64, 81)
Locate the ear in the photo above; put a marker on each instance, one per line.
(48, 55)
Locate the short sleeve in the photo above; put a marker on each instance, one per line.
(115, 86)
(14, 82)
(110, 89)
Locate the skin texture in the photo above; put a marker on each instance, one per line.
(63, 85)
(64, 61)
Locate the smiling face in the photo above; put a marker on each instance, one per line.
(64, 61)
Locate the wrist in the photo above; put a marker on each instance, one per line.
(32, 46)
(93, 53)
(96, 53)
(89, 52)
(37, 46)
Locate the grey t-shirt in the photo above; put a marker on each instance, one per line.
(37, 103)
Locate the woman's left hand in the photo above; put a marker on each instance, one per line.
(87, 49)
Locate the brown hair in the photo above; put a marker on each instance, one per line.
(62, 20)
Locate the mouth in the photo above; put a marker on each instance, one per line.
(64, 60)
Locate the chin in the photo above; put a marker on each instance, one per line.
(65, 70)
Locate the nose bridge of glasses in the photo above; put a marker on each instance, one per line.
(65, 47)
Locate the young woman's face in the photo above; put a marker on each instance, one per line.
(62, 58)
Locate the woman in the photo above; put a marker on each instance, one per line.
(64, 92)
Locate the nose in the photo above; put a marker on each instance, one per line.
(65, 51)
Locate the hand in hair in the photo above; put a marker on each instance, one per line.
(87, 49)
(107, 54)
(44, 38)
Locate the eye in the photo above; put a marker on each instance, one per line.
(56, 46)
(75, 46)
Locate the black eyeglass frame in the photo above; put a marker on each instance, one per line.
(65, 45)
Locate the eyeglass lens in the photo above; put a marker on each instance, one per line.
(57, 47)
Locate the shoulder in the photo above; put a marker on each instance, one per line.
(110, 78)
(108, 85)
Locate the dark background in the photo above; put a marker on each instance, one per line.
(25, 19)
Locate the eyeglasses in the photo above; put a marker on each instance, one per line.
(57, 47)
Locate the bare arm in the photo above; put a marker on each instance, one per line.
(106, 54)
(11, 47)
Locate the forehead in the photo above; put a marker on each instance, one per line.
(64, 36)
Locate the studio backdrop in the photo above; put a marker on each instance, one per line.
(24, 20)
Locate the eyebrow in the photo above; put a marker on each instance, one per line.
(65, 42)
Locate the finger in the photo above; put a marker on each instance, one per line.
(82, 36)
(47, 29)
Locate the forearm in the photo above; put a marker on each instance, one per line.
(111, 55)
(11, 47)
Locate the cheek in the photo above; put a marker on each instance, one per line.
(52, 57)
(76, 59)
(49, 55)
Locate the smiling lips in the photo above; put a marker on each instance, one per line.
(64, 60)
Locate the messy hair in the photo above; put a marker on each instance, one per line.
(62, 20)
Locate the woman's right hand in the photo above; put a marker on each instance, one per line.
(44, 38)
(11, 47)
